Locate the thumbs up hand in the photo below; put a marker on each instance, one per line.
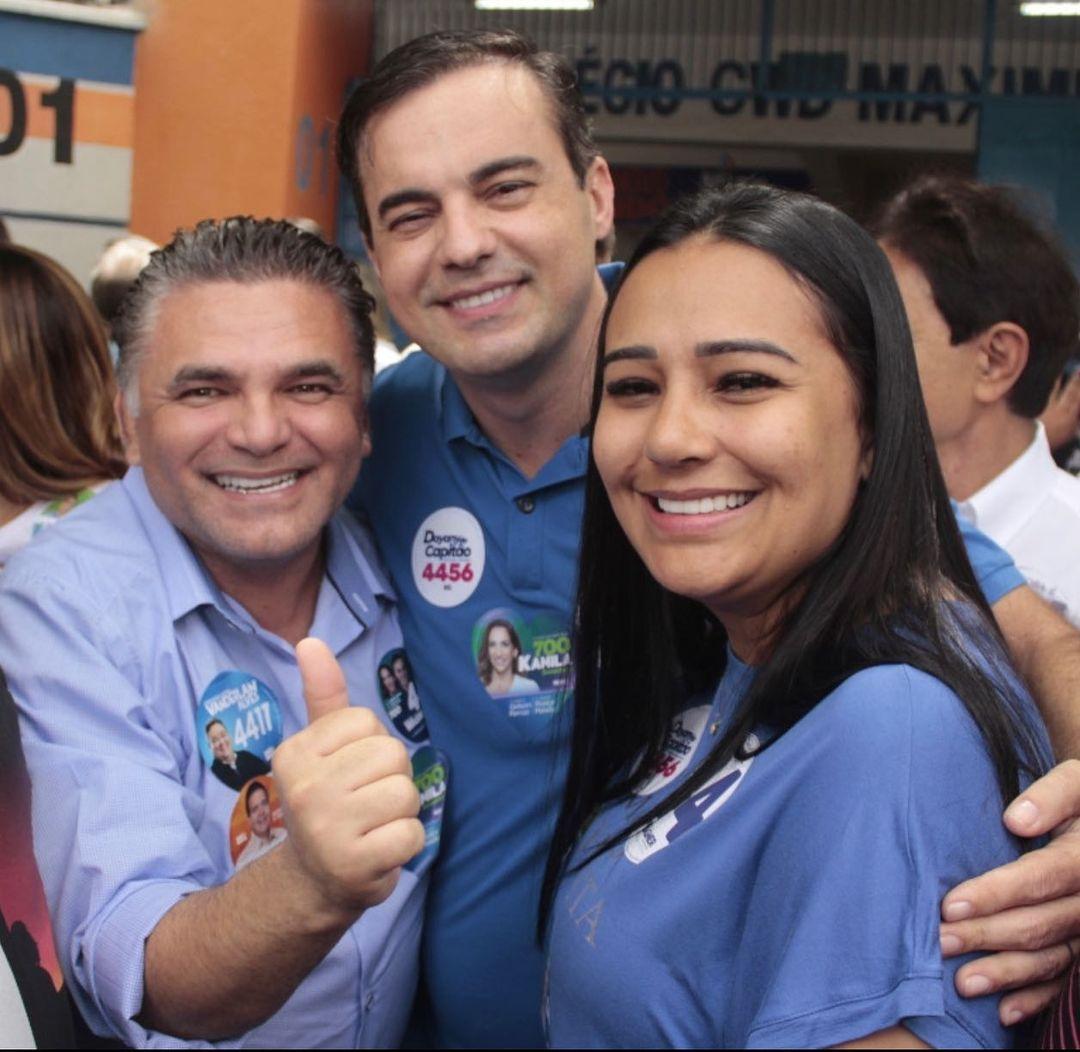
(347, 790)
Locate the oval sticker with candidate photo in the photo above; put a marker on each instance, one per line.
(399, 697)
(239, 727)
(430, 776)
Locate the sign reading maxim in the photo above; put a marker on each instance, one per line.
(656, 86)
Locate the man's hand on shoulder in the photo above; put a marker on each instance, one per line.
(347, 788)
(1026, 913)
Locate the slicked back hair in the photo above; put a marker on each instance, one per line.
(420, 62)
(988, 261)
(247, 251)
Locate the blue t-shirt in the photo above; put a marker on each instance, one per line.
(469, 541)
(794, 899)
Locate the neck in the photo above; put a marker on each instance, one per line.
(531, 413)
(983, 451)
(281, 597)
(9, 509)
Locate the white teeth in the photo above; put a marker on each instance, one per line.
(239, 484)
(482, 299)
(705, 505)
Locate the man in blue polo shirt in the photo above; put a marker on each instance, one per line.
(193, 901)
(481, 197)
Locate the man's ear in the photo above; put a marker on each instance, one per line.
(126, 421)
(601, 191)
(1002, 357)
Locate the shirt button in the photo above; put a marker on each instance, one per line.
(526, 505)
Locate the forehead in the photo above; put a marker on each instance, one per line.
(232, 324)
(705, 290)
(457, 123)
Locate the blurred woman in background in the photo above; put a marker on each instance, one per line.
(58, 434)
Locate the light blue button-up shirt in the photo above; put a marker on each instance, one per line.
(111, 631)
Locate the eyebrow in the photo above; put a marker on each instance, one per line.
(208, 374)
(414, 195)
(709, 349)
(316, 367)
(199, 374)
(503, 164)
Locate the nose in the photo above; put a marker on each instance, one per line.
(259, 425)
(467, 236)
(679, 431)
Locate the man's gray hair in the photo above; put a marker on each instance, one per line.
(245, 250)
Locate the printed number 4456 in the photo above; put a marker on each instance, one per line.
(448, 572)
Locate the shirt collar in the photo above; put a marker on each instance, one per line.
(188, 585)
(1006, 502)
(350, 570)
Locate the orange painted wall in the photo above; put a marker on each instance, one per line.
(333, 46)
(220, 92)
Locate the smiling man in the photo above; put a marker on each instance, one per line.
(151, 642)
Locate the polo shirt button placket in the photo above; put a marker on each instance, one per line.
(526, 505)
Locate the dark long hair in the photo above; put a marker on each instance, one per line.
(895, 587)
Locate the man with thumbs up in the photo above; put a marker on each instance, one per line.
(178, 600)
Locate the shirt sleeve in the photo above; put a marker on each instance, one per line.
(994, 568)
(114, 824)
(897, 802)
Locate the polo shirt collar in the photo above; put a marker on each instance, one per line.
(1006, 502)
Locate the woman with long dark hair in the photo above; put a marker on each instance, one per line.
(794, 722)
(59, 440)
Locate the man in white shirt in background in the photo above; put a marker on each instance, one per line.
(994, 309)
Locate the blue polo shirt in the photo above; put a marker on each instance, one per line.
(793, 900)
(473, 546)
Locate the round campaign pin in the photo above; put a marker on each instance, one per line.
(239, 727)
(448, 556)
(682, 740)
